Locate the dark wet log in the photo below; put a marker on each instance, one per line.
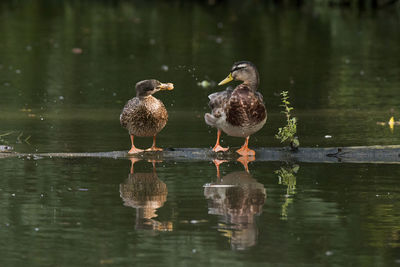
(362, 154)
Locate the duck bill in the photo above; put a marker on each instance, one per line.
(166, 86)
(226, 80)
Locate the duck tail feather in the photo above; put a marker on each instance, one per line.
(210, 119)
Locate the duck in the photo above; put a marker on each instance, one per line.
(238, 112)
(145, 115)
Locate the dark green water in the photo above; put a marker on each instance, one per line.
(340, 66)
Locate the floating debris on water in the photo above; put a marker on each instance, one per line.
(206, 84)
(5, 148)
(106, 261)
(391, 123)
(328, 136)
(77, 50)
(329, 253)
(193, 221)
(83, 189)
(164, 68)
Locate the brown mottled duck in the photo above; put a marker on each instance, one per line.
(145, 115)
(239, 112)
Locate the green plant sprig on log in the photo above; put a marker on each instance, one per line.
(288, 132)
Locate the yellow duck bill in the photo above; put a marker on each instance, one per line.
(226, 80)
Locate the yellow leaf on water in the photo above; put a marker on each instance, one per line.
(106, 261)
(391, 123)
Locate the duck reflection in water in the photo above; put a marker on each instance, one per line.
(236, 197)
(146, 193)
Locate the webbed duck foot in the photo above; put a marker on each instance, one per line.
(218, 148)
(245, 150)
(135, 150)
(153, 148)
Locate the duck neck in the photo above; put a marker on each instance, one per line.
(252, 81)
(253, 84)
(144, 97)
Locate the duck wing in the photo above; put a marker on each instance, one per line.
(245, 108)
(218, 100)
(259, 96)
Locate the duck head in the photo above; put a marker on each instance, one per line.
(243, 71)
(149, 87)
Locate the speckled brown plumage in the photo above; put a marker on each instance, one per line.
(144, 116)
(242, 107)
(245, 108)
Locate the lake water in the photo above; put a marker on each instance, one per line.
(66, 70)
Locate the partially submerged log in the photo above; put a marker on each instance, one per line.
(360, 154)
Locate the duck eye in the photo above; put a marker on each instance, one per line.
(237, 68)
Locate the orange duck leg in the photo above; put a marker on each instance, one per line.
(245, 150)
(134, 150)
(218, 147)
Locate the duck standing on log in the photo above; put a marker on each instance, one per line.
(145, 115)
(239, 112)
